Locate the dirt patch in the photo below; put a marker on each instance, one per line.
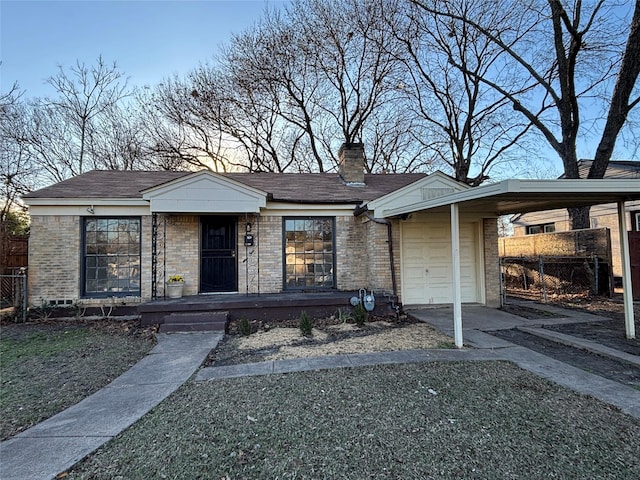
(609, 332)
(21, 331)
(524, 311)
(330, 337)
(606, 367)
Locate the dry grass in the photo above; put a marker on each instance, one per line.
(480, 420)
(47, 367)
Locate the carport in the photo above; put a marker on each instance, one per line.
(523, 196)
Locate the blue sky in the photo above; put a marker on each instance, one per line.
(148, 39)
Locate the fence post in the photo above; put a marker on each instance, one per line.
(544, 284)
(524, 273)
(503, 293)
(23, 271)
(596, 266)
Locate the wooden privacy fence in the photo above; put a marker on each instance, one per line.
(14, 252)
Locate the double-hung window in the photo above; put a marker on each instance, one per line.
(111, 257)
(544, 228)
(309, 252)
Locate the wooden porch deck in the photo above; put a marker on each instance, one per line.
(213, 312)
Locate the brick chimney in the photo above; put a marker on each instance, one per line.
(351, 168)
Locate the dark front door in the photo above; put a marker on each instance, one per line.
(218, 272)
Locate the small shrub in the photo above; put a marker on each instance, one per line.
(344, 316)
(244, 326)
(43, 311)
(360, 315)
(306, 326)
(78, 309)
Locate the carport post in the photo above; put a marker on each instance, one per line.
(455, 263)
(627, 294)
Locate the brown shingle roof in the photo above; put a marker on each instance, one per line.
(284, 187)
(106, 184)
(615, 169)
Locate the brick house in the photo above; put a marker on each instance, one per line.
(121, 234)
(422, 239)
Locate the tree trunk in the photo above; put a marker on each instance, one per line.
(579, 217)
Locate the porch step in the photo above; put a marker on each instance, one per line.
(194, 322)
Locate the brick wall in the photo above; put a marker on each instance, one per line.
(54, 259)
(350, 247)
(362, 256)
(351, 253)
(260, 266)
(491, 262)
(378, 262)
(182, 252)
(601, 216)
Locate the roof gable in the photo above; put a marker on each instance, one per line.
(205, 192)
(435, 185)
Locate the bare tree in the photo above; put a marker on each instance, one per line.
(570, 56)
(354, 58)
(84, 94)
(287, 93)
(119, 140)
(271, 66)
(184, 119)
(18, 173)
(466, 125)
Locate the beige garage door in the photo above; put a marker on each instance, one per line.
(426, 262)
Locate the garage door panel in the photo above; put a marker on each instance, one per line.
(426, 263)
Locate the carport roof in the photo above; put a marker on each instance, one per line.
(522, 196)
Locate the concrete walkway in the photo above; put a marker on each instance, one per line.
(56, 444)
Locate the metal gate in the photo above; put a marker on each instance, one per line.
(13, 295)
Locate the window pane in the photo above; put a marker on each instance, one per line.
(112, 256)
(308, 252)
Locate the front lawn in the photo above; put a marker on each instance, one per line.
(480, 420)
(47, 367)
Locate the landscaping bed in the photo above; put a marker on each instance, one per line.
(330, 336)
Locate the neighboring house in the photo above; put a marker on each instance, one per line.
(601, 216)
(121, 234)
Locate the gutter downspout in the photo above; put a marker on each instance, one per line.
(383, 221)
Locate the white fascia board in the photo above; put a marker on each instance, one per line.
(190, 179)
(308, 209)
(594, 186)
(193, 206)
(85, 210)
(379, 203)
(605, 185)
(458, 197)
(115, 202)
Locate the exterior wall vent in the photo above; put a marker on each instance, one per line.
(429, 193)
